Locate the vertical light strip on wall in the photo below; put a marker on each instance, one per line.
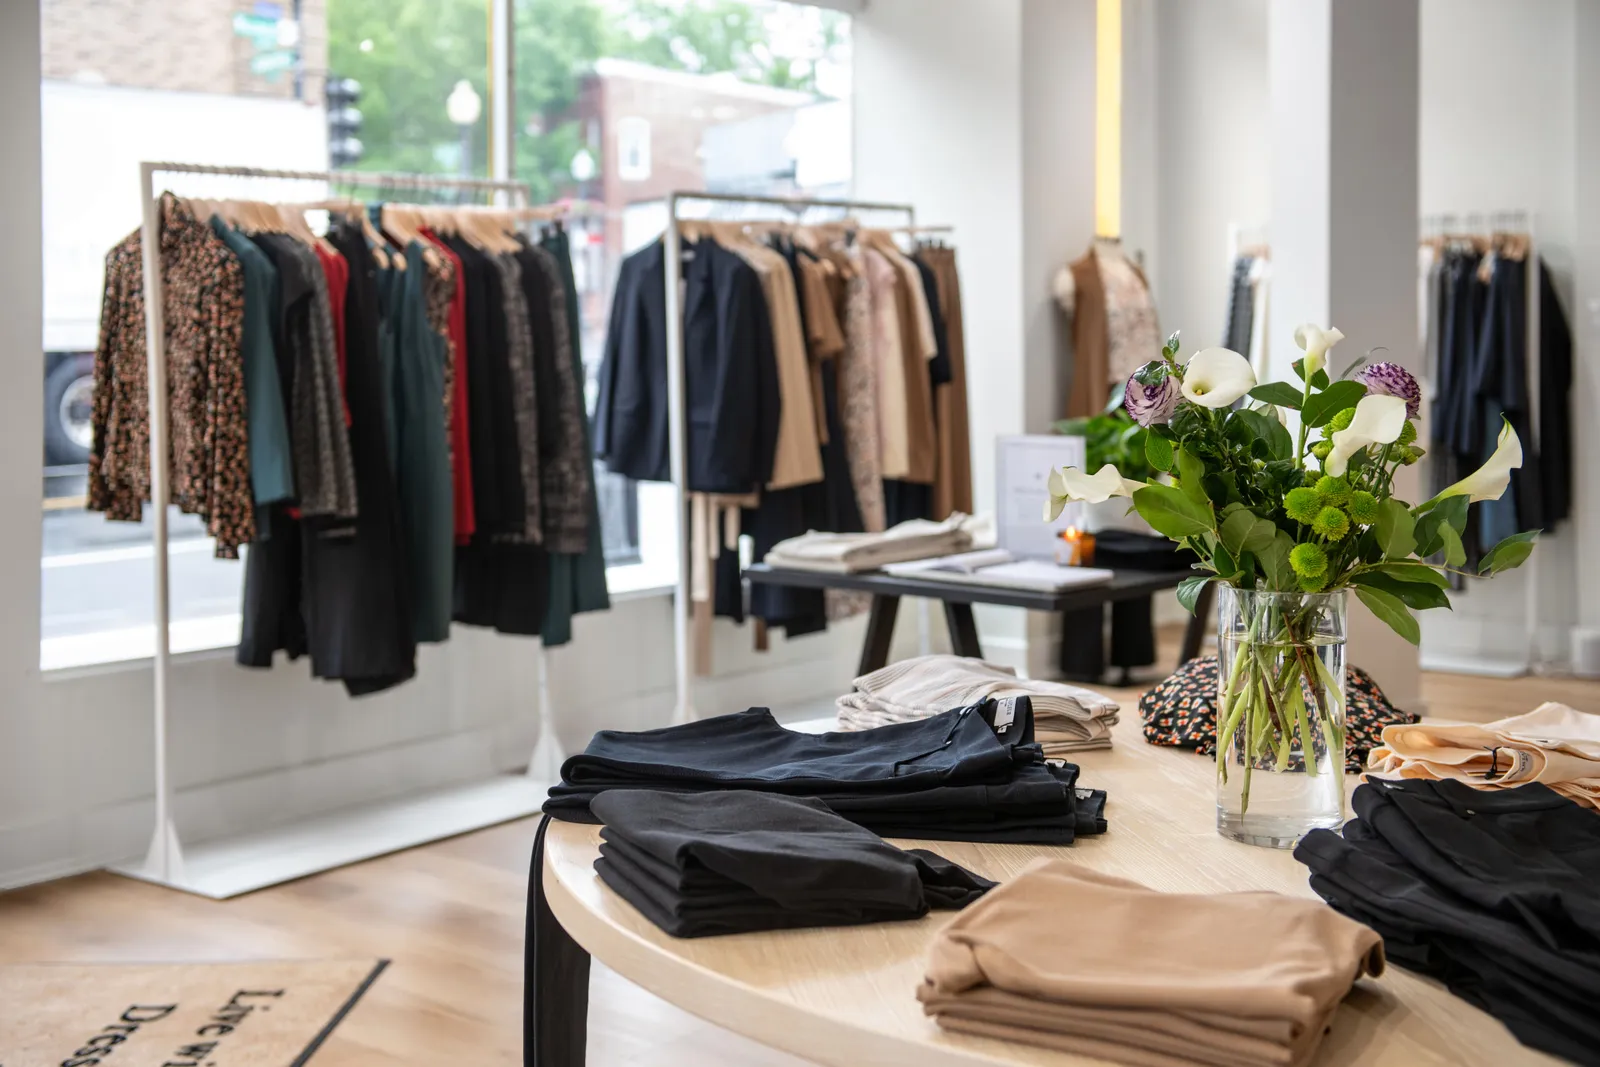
(1108, 119)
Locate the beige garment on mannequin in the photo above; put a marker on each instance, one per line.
(799, 457)
(1553, 744)
(1091, 376)
(1259, 974)
(1133, 332)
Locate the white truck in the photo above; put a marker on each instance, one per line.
(94, 137)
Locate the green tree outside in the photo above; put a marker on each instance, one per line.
(409, 54)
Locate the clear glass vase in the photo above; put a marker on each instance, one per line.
(1280, 714)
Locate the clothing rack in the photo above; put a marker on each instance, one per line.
(230, 868)
(1450, 225)
(683, 710)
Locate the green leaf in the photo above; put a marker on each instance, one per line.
(1396, 529)
(1418, 595)
(1454, 511)
(1280, 393)
(1261, 536)
(1224, 564)
(1455, 553)
(1512, 552)
(1259, 425)
(1335, 398)
(1392, 611)
(1274, 560)
(1158, 451)
(1191, 474)
(1414, 572)
(1319, 380)
(1450, 512)
(1170, 512)
(1235, 528)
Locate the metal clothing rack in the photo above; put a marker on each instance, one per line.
(241, 868)
(683, 710)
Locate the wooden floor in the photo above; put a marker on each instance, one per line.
(450, 916)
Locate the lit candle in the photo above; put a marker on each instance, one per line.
(1076, 548)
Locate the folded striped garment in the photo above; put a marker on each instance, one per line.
(1066, 718)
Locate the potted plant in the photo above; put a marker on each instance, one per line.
(1289, 523)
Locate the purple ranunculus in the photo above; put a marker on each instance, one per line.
(1152, 393)
(1391, 379)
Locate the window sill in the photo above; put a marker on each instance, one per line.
(134, 647)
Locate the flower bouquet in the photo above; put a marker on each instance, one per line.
(1288, 522)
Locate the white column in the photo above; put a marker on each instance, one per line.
(1344, 213)
(1585, 313)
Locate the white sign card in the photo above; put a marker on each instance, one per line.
(1023, 467)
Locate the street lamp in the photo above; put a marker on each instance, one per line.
(463, 106)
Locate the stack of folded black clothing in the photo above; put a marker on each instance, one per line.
(1494, 892)
(971, 774)
(699, 864)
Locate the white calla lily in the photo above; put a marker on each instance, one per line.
(1216, 377)
(1379, 420)
(1315, 341)
(1071, 484)
(1489, 481)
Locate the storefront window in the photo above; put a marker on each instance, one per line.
(617, 102)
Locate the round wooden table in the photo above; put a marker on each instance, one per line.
(845, 997)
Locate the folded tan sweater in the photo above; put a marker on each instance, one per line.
(1149, 978)
(1066, 718)
(848, 553)
(1553, 744)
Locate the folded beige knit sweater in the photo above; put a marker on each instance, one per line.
(1155, 979)
(1066, 718)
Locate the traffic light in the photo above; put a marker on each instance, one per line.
(344, 122)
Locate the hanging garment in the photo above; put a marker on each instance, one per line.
(577, 583)
(708, 864)
(460, 434)
(203, 306)
(894, 429)
(519, 359)
(1555, 407)
(729, 352)
(858, 396)
(324, 474)
(271, 463)
(1241, 307)
(567, 472)
(1161, 979)
(919, 347)
(1499, 381)
(336, 590)
(952, 487)
(422, 458)
(337, 273)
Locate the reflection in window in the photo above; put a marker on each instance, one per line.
(633, 149)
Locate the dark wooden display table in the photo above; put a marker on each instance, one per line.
(958, 598)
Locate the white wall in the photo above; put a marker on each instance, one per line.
(1585, 306)
(1512, 148)
(1212, 106)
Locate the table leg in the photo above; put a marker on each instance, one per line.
(1194, 633)
(880, 633)
(555, 991)
(963, 630)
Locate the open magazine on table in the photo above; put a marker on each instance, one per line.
(997, 567)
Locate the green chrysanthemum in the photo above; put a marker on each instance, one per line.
(1313, 585)
(1321, 449)
(1331, 523)
(1363, 507)
(1302, 504)
(1411, 454)
(1340, 421)
(1334, 491)
(1408, 432)
(1308, 561)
